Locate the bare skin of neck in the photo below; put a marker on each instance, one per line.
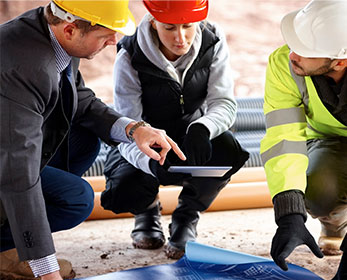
(337, 75)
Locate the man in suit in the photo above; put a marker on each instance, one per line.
(51, 126)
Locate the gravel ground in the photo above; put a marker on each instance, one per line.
(102, 246)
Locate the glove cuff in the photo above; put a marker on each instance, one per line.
(200, 129)
(289, 202)
(153, 166)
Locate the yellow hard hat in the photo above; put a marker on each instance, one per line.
(112, 14)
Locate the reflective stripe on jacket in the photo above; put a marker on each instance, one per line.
(294, 114)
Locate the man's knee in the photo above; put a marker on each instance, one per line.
(326, 176)
(71, 205)
(87, 195)
(81, 204)
(324, 193)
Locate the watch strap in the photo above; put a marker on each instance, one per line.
(134, 127)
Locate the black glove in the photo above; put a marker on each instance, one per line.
(342, 270)
(165, 177)
(197, 145)
(291, 232)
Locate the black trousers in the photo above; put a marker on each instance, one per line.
(129, 189)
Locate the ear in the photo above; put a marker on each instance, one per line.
(154, 25)
(340, 65)
(343, 63)
(69, 29)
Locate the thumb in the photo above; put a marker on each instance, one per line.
(288, 248)
(281, 262)
(314, 247)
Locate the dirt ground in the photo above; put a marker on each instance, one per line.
(252, 31)
(103, 246)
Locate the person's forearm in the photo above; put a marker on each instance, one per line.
(120, 129)
(134, 156)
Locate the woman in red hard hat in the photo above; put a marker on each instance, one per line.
(174, 74)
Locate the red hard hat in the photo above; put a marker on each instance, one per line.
(177, 11)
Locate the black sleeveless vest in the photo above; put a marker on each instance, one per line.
(166, 104)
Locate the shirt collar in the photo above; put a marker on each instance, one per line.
(62, 58)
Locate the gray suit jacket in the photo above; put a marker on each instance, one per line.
(32, 126)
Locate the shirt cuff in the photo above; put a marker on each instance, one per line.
(44, 265)
(118, 133)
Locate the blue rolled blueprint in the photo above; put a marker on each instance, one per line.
(206, 262)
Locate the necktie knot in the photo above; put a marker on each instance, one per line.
(68, 71)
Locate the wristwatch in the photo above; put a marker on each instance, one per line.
(134, 127)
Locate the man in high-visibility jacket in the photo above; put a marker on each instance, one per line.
(304, 151)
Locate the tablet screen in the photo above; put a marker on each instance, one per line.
(201, 171)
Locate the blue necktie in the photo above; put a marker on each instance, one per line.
(66, 97)
(67, 92)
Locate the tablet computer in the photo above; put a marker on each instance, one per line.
(201, 171)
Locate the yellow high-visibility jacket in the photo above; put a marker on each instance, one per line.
(294, 114)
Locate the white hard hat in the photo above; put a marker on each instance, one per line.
(318, 30)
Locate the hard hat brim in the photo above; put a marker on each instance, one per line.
(293, 41)
(130, 27)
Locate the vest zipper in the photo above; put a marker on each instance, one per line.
(182, 103)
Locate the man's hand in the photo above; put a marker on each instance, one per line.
(147, 138)
(291, 232)
(197, 145)
(52, 276)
